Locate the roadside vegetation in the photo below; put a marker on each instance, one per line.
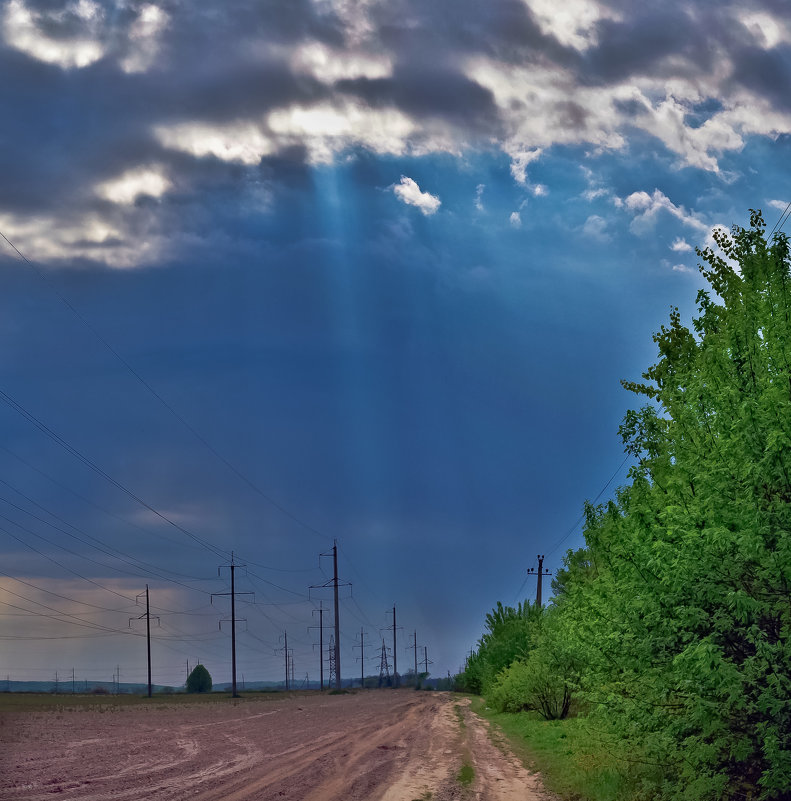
(662, 667)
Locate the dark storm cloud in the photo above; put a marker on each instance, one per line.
(228, 66)
(440, 93)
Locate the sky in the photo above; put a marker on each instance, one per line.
(278, 274)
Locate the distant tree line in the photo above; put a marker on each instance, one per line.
(671, 628)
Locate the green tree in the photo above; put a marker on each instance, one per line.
(687, 623)
(546, 678)
(199, 681)
(577, 566)
(509, 634)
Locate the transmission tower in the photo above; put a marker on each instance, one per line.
(384, 667)
(333, 654)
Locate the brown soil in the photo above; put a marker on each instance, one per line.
(385, 745)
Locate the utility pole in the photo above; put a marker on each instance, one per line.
(147, 616)
(233, 594)
(361, 646)
(414, 646)
(56, 683)
(334, 583)
(73, 684)
(320, 610)
(337, 616)
(531, 571)
(426, 660)
(395, 655)
(285, 651)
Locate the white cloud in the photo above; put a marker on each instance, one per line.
(328, 129)
(479, 197)
(681, 268)
(241, 142)
(144, 39)
(82, 235)
(769, 31)
(680, 245)
(409, 192)
(519, 162)
(328, 64)
(780, 205)
(26, 31)
(572, 22)
(647, 208)
(539, 190)
(126, 188)
(515, 219)
(595, 227)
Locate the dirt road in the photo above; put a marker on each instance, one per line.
(385, 745)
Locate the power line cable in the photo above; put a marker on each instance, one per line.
(45, 429)
(582, 516)
(282, 509)
(96, 506)
(778, 226)
(87, 539)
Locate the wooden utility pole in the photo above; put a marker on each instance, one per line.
(531, 571)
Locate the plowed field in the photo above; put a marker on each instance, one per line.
(389, 745)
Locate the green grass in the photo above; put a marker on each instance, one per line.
(573, 760)
(466, 775)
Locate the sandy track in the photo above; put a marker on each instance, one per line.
(382, 745)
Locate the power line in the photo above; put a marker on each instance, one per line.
(582, 516)
(45, 429)
(282, 509)
(782, 221)
(92, 503)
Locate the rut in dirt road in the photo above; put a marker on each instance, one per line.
(363, 746)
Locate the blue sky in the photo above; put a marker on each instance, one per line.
(369, 271)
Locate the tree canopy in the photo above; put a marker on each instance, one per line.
(676, 618)
(199, 680)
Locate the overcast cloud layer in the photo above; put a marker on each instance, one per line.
(291, 271)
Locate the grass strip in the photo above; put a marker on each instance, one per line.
(571, 757)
